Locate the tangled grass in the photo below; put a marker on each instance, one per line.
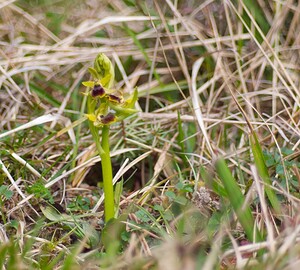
(206, 173)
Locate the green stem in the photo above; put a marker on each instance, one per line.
(109, 207)
(104, 153)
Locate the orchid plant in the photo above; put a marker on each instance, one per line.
(105, 106)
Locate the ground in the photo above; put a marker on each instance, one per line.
(206, 171)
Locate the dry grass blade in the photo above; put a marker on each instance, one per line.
(226, 72)
(196, 104)
(38, 121)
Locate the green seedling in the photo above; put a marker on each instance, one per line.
(106, 106)
(5, 194)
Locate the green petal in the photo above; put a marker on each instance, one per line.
(94, 73)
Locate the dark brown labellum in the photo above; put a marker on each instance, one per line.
(114, 98)
(98, 91)
(108, 119)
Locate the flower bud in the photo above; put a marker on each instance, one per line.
(104, 70)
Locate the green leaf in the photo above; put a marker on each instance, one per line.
(286, 151)
(214, 223)
(112, 234)
(40, 191)
(52, 213)
(170, 194)
(158, 207)
(280, 169)
(142, 215)
(82, 229)
(269, 159)
(4, 191)
(14, 224)
(181, 200)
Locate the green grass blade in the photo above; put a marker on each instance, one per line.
(180, 136)
(3, 252)
(258, 14)
(118, 194)
(263, 171)
(143, 51)
(163, 89)
(237, 201)
(180, 141)
(44, 95)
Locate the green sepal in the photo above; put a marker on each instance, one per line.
(88, 84)
(130, 102)
(91, 117)
(106, 81)
(103, 109)
(122, 109)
